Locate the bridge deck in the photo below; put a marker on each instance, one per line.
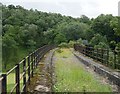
(42, 80)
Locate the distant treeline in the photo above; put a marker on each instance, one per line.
(25, 30)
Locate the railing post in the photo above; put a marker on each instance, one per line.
(17, 76)
(115, 59)
(4, 84)
(29, 70)
(92, 52)
(34, 60)
(84, 50)
(102, 57)
(97, 55)
(24, 77)
(32, 64)
(38, 56)
(107, 56)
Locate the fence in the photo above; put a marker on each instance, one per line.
(109, 58)
(23, 71)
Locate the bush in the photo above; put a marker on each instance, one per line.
(102, 45)
(63, 45)
(81, 42)
(71, 44)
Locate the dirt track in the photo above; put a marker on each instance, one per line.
(42, 80)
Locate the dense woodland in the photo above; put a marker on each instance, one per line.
(26, 30)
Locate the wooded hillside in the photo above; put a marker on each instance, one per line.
(25, 30)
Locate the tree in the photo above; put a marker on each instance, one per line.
(9, 49)
(85, 19)
(98, 40)
(74, 30)
(60, 38)
(30, 29)
(102, 25)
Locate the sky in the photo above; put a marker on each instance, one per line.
(74, 8)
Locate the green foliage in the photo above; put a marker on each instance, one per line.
(79, 41)
(9, 49)
(85, 42)
(63, 45)
(118, 46)
(31, 29)
(85, 19)
(106, 26)
(102, 45)
(59, 38)
(98, 41)
(118, 52)
(71, 44)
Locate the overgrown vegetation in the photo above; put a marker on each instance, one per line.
(25, 30)
(72, 77)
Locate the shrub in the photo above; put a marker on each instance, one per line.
(71, 44)
(63, 45)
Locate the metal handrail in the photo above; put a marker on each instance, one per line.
(102, 55)
(29, 63)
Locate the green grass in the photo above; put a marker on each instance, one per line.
(21, 53)
(11, 82)
(11, 63)
(11, 77)
(72, 77)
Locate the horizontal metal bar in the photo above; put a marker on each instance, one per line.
(11, 70)
(14, 88)
(22, 75)
(21, 61)
(26, 57)
(22, 88)
(27, 68)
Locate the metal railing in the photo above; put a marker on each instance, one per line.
(109, 58)
(23, 71)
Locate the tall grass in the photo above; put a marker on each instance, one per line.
(72, 77)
